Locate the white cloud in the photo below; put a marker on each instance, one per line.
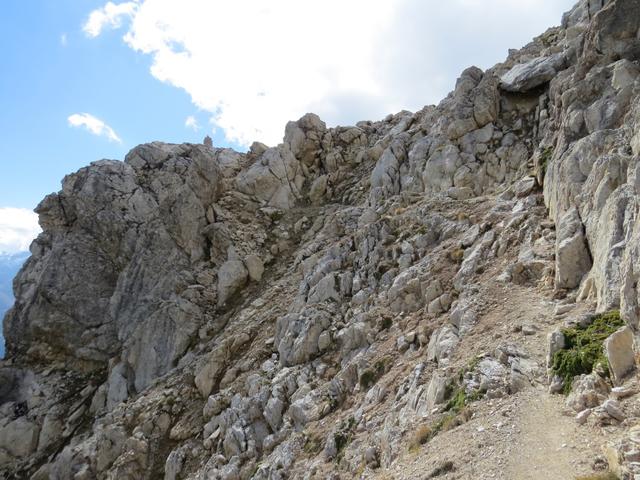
(192, 123)
(254, 65)
(63, 40)
(18, 228)
(109, 16)
(93, 125)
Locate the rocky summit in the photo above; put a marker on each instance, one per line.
(452, 293)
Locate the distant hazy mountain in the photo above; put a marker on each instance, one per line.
(9, 266)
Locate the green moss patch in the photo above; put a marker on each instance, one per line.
(545, 158)
(583, 348)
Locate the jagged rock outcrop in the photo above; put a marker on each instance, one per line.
(299, 310)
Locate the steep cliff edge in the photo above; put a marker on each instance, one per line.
(354, 301)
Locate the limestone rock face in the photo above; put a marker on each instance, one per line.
(116, 233)
(614, 32)
(303, 310)
(573, 259)
(275, 179)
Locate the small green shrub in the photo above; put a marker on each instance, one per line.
(332, 401)
(343, 435)
(461, 399)
(381, 365)
(367, 379)
(583, 348)
(456, 410)
(470, 367)
(457, 402)
(342, 439)
(386, 323)
(458, 396)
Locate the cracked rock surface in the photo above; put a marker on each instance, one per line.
(381, 300)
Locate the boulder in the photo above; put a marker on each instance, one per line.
(587, 391)
(255, 267)
(442, 343)
(19, 437)
(318, 189)
(534, 73)
(618, 349)
(573, 258)
(231, 277)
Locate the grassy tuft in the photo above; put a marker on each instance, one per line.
(449, 421)
(422, 435)
(312, 445)
(456, 255)
(583, 350)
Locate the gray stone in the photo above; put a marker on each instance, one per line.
(612, 407)
(111, 249)
(255, 267)
(583, 416)
(318, 189)
(618, 348)
(587, 391)
(231, 277)
(324, 290)
(525, 186)
(573, 258)
(273, 413)
(556, 342)
(19, 437)
(324, 341)
(527, 76)
(51, 431)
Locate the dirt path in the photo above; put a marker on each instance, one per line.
(547, 443)
(523, 436)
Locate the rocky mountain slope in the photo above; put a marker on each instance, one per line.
(9, 265)
(451, 293)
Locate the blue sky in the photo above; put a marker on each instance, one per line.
(244, 67)
(45, 81)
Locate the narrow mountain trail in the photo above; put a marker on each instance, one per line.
(546, 444)
(523, 436)
(549, 444)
